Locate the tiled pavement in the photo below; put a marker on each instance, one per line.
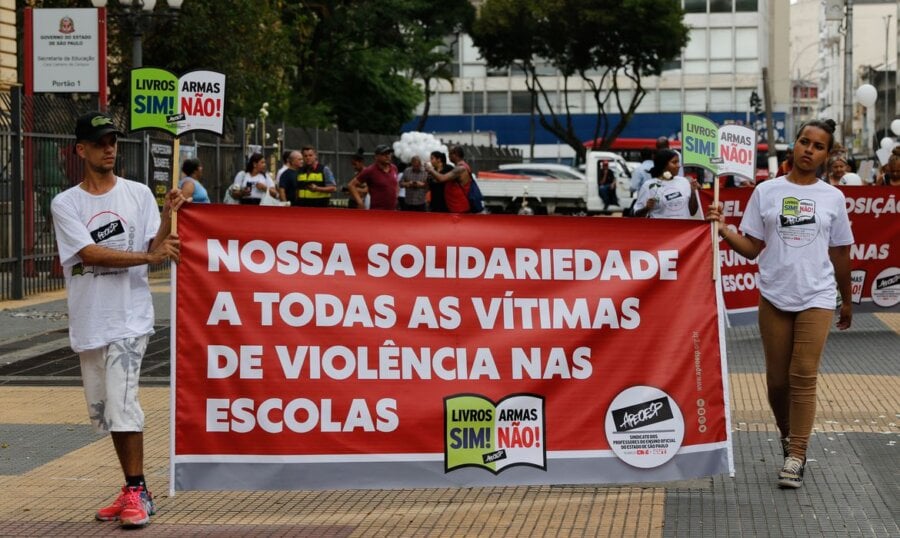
(54, 471)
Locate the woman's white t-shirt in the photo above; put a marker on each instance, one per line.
(106, 304)
(798, 224)
(672, 196)
(244, 180)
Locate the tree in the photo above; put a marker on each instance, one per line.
(606, 44)
(363, 52)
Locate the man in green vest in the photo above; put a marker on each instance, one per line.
(315, 182)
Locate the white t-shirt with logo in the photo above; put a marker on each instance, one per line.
(672, 196)
(106, 303)
(798, 224)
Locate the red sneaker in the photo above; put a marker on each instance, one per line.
(111, 512)
(137, 508)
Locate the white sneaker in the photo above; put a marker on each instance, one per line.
(791, 475)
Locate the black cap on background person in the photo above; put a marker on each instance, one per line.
(95, 125)
(381, 149)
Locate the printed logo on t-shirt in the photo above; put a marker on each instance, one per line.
(110, 230)
(672, 198)
(797, 224)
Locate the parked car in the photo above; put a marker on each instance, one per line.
(555, 188)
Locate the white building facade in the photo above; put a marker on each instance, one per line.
(731, 41)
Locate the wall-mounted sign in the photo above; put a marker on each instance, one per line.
(66, 50)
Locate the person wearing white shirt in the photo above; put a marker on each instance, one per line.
(798, 227)
(667, 195)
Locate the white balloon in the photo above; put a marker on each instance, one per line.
(866, 95)
(887, 143)
(895, 127)
(406, 136)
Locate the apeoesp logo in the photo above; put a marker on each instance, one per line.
(109, 230)
(642, 414)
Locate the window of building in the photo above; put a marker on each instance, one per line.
(695, 6)
(742, 99)
(696, 47)
(545, 70)
(695, 100)
(695, 67)
(473, 103)
(521, 102)
(720, 101)
(669, 100)
(449, 104)
(720, 43)
(721, 66)
(497, 72)
(720, 6)
(497, 103)
(746, 5)
(673, 65)
(473, 71)
(746, 43)
(746, 66)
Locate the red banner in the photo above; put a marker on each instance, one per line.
(875, 257)
(348, 349)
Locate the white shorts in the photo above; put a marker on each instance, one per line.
(110, 376)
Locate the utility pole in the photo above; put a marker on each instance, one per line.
(848, 77)
(887, 35)
(771, 153)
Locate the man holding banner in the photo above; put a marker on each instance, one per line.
(799, 228)
(108, 229)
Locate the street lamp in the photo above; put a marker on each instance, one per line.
(138, 15)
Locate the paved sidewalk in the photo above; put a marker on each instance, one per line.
(54, 472)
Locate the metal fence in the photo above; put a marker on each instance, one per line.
(37, 161)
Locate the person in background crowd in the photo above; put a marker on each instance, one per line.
(606, 184)
(357, 163)
(285, 158)
(457, 181)
(401, 194)
(251, 186)
(109, 301)
(315, 182)
(438, 161)
(837, 167)
(190, 185)
(667, 195)
(785, 167)
(891, 174)
(287, 185)
(381, 179)
(803, 249)
(415, 180)
(642, 174)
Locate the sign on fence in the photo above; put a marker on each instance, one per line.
(66, 50)
(339, 349)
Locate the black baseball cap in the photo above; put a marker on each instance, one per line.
(95, 125)
(381, 149)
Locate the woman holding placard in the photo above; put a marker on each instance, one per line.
(667, 195)
(798, 226)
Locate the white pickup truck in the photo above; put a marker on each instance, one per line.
(555, 189)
